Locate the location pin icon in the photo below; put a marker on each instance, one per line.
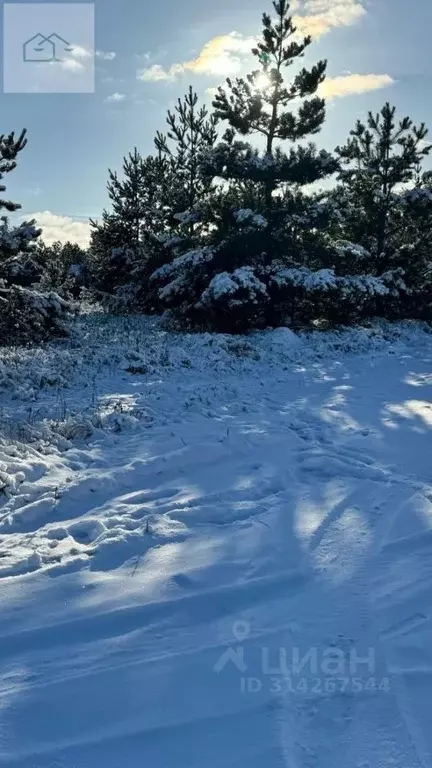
(241, 630)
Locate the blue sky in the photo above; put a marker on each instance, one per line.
(148, 55)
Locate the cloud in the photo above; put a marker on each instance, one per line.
(220, 56)
(347, 85)
(318, 17)
(116, 97)
(156, 73)
(55, 227)
(78, 52)
(81, 57)
(106, 55)
(74, 63)
(71, 65)
(223, 55)
(111, 80)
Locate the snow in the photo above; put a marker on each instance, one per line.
(326, 280)
(177, 271)
(225, 285)
(186, 217)
(221, 285)
(230, 563)
(178, 265)
(247, 216)
(15, 239)
(353, 249)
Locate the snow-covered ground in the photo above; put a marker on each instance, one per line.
(216, 551)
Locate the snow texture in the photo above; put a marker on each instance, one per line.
(354, 249)
(326, 280)
(247, 216)
(216, 550)
(181, 263)
(225, 286)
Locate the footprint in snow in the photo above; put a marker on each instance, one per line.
(86, 531)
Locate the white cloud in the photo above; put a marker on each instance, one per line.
(106, 55)
(55, 227)
(347, 85)
(116, 97)
(74, 63)
(71, 65)
(222, 55)
(318, 17)
(111, 80)
(156, 73)
(79, 52)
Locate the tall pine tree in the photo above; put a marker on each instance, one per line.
(191, 131)
(139, 198)
(259, 224)
(26, 314)
(380, 155)
(259, 104)
(16, 243)
(140, 210)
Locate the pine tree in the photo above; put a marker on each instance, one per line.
(127, 196)
(191, 131)
(16, 243)
(379, 156)
(26, 315)
(64, 267)
(411, 238)
(126, 235)
(141, 197)
(257, 220)
(109, 256)
(258, 104)
(9, 150)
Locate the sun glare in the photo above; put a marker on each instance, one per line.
(262, 82)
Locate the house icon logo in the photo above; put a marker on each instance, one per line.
(46, 49)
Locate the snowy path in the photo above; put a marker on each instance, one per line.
(286, 520)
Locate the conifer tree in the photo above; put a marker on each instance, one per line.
(127, 196)
(26, 314)
(260, 223)
(259, 104)
(379, 156)
(191, 131)
(10, 147)
(109, 262)
(16, 243)
(140, 202)
(64, 267)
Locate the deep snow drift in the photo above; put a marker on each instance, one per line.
(216, 551)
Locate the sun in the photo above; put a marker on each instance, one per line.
(262, 82)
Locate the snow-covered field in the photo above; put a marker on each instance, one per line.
(216, 551)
